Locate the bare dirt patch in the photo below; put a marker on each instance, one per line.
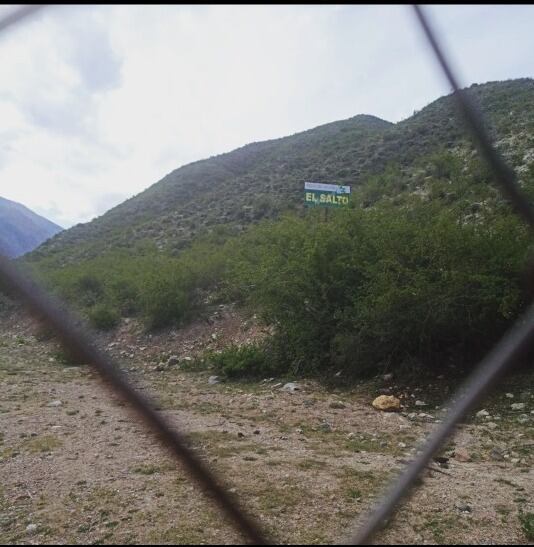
(77, 467)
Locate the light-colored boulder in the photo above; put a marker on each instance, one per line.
(387, 403)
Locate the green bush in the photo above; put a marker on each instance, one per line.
(246, 361)
(383, 286)
(527, 525)
(103, 318)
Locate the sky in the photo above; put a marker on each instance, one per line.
(97, 103)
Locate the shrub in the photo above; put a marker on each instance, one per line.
(243, 361)
(103, 318)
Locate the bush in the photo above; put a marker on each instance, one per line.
(245, 361)
(383, 286)
(103, 318)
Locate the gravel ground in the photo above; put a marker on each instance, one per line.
(76, 466)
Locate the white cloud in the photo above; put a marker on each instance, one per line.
(99, 102)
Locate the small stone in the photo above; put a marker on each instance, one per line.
(325, 427)
(240, 435)
(387, 377)
(517, 406)
(482, 414)
(462, 455)
(420, 403)
(510, 395)
(492, 425)
(212, 380)
(55, 403)
(337, 405)
(290, 387)
(523, 418)
(464, 508)
(496, 454)
(402, 445)
(172, 360)
(256, 432)
(32, 528)
(387, 403)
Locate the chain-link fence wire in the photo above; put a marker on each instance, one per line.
(78, 342)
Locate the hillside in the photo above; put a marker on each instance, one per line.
(22, 230)
(262, 179)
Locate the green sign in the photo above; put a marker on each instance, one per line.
(317, 194)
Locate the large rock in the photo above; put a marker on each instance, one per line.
(387, 403)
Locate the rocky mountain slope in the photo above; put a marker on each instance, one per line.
(262, 179)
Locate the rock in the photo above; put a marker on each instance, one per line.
(387, 403)
(55, 403)
(496, 454)
(492, 425)
(290, 387)
(462, 455)
(523, 418)
(464, 508)
(482, 414)
(510, 395)
(517, 406)
(402, 445)
(420, 403)
(32, 528)
(212, 380)
(337, 405)
(256, 432)
(325, 427)
(172, 360)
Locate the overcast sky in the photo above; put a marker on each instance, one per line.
(99, 102)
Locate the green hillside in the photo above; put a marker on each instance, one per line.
(423, 270)
(262, 179)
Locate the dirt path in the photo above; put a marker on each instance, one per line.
(77, 467)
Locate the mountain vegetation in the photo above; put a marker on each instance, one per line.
(422, 270)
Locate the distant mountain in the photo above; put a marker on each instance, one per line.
(262, 179)
(22, 230)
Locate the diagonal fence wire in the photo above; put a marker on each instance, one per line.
(507, 352)
(80, 346)
(511, 347)
(18, 15)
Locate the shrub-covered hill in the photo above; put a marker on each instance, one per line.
(22, 230)
(262, 179)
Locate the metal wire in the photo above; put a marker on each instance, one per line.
(508, 350)
(504, 175)
(80, 346)
(18, 15)
(505, 353)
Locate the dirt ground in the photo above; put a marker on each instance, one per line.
(76, 466)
